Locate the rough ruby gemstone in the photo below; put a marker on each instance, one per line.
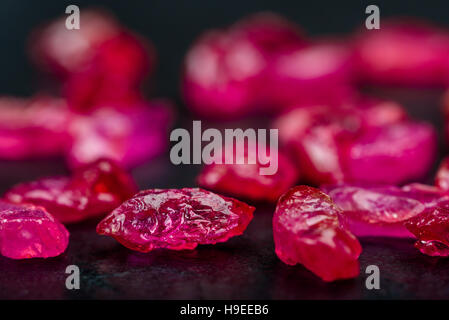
(35, 127)
(225, 73)
(176, 219)
(431, 229)
(129, 136)
(62, 51)
(369, 142)
(93, 190)
(375, 210)
(403, 53)
(242, 179)
(307, 230)
(28, 232)
(442, 176)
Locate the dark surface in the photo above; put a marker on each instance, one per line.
(245, 267)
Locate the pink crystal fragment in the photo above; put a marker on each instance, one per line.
(176, 219)
(431, 228)
(442, 176)
(374, 210)
(93, 190)
(129, 136)
(307, 230)
(28, 232)
(365, 141)
(403, 53)
(243, 179)
(33, 127)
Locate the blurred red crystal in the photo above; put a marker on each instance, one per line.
(243, 179)
(403, 53)
(92, 191)
(129, 136)
(33, 127)
(442, 176)
(374, 210)
(28, 232)
(363, 141)
(176, 219)
(306, 230)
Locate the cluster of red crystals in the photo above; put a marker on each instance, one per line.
(403, 53)
(92, 191)
(28, 232)
(32, 127)
(128, 136)
(243, 178)
(176, 219)
(307, 230)
(370, 141)
(374, 210)
(260, 63)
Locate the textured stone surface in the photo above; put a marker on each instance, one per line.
(93, 190)
(129, 136)
(34, 127)
(246, 181)
(307, 230)
(176, 219)
(364, 141)
(375, 210)
(403, 53)
(28, 232)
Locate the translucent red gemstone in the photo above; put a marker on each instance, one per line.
(92, 191)
(27, 231)
(176, 219)
(307, 230)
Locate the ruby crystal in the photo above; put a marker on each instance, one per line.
(307, 230)
(242, 179)
(93, 190)
(176, 219)
(403, 53)
(28, 232)
(364, 141)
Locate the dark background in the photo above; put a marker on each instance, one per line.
(244, 267)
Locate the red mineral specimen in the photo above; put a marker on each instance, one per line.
(369, 142)
(93, 190)
(374, 210)
(306, 230)
(33, 127)
(243, 179)
(28, 232)
(129, 136)
(403, 53)
(176, 219)
(442, 176)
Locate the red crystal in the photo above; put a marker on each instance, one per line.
(306, 230)
(176, 219)
(129, 136)
(28, 232)
(246, 181)
(92, 191)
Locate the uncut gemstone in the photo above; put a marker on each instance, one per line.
(62, 51)
(243, 179)
(93, 190)
(307, 230)
(442, 176)
(129, 136)
(365, 141)
(375, 210)
(28, 232)
(403, 53)
(176, 219)
(431, 228)
(34, 127)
